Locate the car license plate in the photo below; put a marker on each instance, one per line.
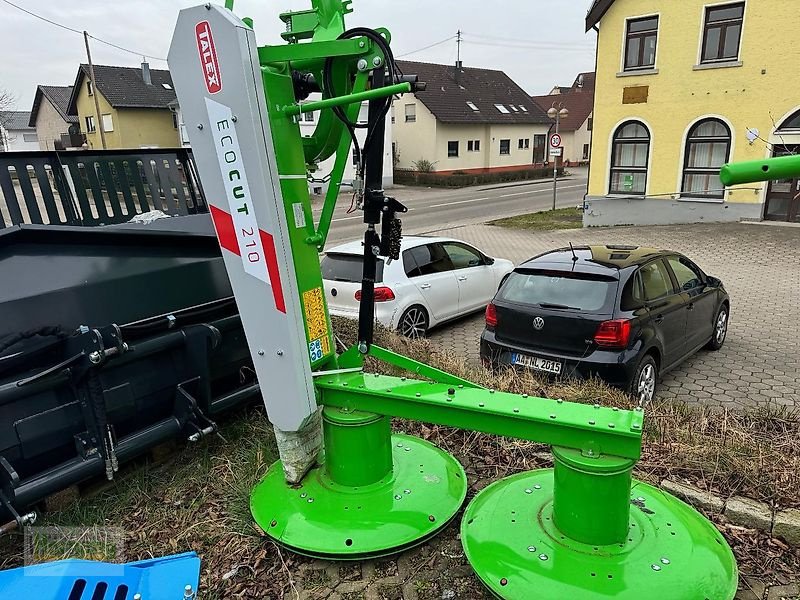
(536, 363)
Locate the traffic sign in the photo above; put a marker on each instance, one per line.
(556, 151)
(555, 140)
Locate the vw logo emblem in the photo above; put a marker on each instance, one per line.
(538, 323)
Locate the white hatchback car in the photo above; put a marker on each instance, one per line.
(435, 280)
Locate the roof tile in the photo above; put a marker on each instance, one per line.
(124, 87)
(449, 92)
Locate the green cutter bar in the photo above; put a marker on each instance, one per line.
(346, 487)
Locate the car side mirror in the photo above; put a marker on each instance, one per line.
(712, 281)
(488, 260)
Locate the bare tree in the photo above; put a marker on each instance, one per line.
(7, 101)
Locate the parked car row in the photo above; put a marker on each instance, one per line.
(626, 314)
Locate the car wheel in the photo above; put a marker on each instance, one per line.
(414, 322)
(644, 381)
(720, 328)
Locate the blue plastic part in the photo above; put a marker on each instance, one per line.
(156, 579)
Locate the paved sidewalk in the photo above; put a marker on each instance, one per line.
(760, 266)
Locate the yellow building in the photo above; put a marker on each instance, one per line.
(137, 107)
(683, 87)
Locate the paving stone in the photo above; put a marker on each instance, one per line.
(749, 370)
(787, 526)
(784, 592)
(694, 496)
(749, 513)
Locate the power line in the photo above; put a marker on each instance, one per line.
(528, 42)
(439, 43)
(97, 39)
(530, 47)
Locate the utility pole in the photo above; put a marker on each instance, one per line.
(458, 44)
(99, 126)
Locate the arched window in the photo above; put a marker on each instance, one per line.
(791, 124)
(629, 155)
(708, 147)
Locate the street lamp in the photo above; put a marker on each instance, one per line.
(556, 112)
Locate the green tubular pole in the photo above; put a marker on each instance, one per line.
(591, 496)
(781, 167)
(358, 447)
(383, 92)
(342, 155)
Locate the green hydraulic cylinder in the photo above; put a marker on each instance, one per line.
(769, 169)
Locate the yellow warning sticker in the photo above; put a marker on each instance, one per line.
(316, 323)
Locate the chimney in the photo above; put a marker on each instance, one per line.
(146, 73)
(459, 68)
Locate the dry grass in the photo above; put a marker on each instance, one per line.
(199, 500)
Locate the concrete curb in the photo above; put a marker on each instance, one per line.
(740, 511)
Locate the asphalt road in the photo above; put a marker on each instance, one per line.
(436, 209)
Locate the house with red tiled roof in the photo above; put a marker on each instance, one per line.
(575, 129)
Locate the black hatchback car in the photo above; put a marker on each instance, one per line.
(626, 314)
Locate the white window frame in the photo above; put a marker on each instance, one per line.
(106, 124)
(610, 151)
(679, 193)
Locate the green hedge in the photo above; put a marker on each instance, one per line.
(409, 177)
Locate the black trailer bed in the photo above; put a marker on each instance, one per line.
(112, 340)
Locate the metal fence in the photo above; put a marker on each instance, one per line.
(96, 187)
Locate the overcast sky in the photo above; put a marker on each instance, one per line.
(539, 43)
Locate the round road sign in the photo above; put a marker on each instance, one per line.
(555, 140)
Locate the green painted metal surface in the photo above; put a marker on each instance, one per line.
(353, 358)
(350, 437)
(591, 429)
(781, 167)
(324, 519)
(670, 551)
(604, 479)
(383, 92)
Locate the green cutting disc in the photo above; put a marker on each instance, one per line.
(672, 552)
(322, 519)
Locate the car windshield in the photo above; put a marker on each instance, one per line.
(573, 291)
(347, 267)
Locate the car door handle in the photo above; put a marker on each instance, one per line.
(690, 306)
(462, 278)
(659, 319)
(425, 286)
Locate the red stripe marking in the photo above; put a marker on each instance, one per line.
(268, 243)
(223, 223)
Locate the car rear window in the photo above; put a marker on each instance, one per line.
(347, 267)
(576, 291)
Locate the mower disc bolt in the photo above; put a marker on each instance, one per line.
(95, 357)
(362, 64)
(377, 61)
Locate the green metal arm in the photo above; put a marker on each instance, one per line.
(383, 92)
(782, 167)
(353, 358)
(593, 430)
